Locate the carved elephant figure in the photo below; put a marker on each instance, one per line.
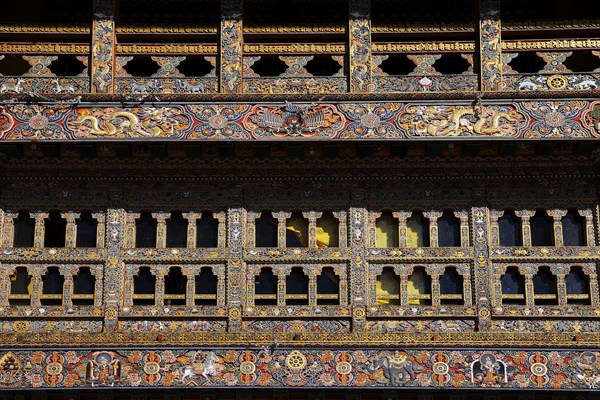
(395, 367)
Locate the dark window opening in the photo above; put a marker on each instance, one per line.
(144, 286)
(206, 288)
(328, 288)
(451, 287)
(544, 287)
(266, 230)
(386, 231)
(417, 230)
(145, 231)
(207, 231)
(52, 287)
(513, 287)
(449, 230)
(87, 229)
(419, 288)
(578, 287)
(296, 231)
(20, 285)
(24, 230)
(296, 288)
(269, 65)
(451, 64)
(323, 65)
(67, 65)
(175, 287)
(142, 66)
(84, 284)
(14, 65)
(397, 64)
(582, 61)
(527, 63)
(509, 226)
(573, 226)
(328, 231)
(195, 66)
(265, 288)
(388, 287)
(542, 229)
(55, 230)
(177, 227)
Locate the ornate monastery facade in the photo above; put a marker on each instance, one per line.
(335, 199)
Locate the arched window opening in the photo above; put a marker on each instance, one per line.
(578, 287)
(328, 288)
(513, 287)
(265, 288)
(145, 231)
(386, 231)
(177, 230)
(296, 231)
(451, 287)
(542, 229)
(573, 226)
(266, 230)
(20, 288)
(175, 287)
(52, 287)
(509, 226)
(417, 230)
(544, 287)
(55, 230)
(87, 228)
(144, 286)
(296, 288)
(448, 230)
(207, 231)
(328, 231)
(206, 288)
(388, 287)
(419, 288)
(84, 284)
(24, 230)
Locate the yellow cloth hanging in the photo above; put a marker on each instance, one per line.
(387, 285)
(29, 284)
(323, 238)
(414, 232)
(386, 232)
(416, 287)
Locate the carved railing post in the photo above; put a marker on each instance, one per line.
(281, 218)
(190, 286)
(8, 229)
(115, 278)
(231, 46)
(557, 216)
(464, 227)
(130, 231)
(433, 226)
(371, 228)
(594, 295)
(281, 286)
(40, 228)
(36, 286)
(404, 274)
(103, 47)
(192, 219)
(482, 268)
(312, 285)
(251, 217)
(360, 46)
(159, 288)
(529, 291)
(67, 287)
(490, 53)
(221, 229)
(525, 216)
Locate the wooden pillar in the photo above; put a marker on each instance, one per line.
(71, 231)
(371, 228)
(192, 219)
(464, 227)
(100, 229)
(482, 269)
(236, 268)
(525, 216)
(8, 229)
(495, 215)
(115, 279)
(490, 53)
(343, 228)
(358, 262)
(130, 231)
(360, 46)
(67, 287)
(221, 229)
(231, 46)
(402, 216)
(281, 218)
(312, 227)
(103, 47)
(40, 227)
(529, 292)
(312, 286)
(557, 216)
(433, 226)
(251, 217)
(589, 226)
(161, 229)
(281, 287)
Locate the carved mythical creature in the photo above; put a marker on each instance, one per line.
(205, 368)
